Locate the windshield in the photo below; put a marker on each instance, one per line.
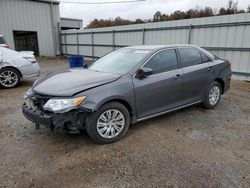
(2, 41)
(120, 61)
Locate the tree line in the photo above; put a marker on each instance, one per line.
(231, 8)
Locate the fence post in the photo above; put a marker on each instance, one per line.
(77, 40)
(189, 33)
(143, 36)
(65, 44)
(59, 38)
(92, 44)
(113, 39)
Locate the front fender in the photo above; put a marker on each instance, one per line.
(121, 90)
(93, 106)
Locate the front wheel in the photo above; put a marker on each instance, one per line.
(213, 95)
(109, 123)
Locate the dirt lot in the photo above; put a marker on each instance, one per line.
(193, 147)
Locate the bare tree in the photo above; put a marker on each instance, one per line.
(231, 8)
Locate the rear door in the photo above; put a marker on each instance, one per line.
(162, 90)
(197, 73)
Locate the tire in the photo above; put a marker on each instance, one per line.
(98, 127)
(211, 101)
(14, 78)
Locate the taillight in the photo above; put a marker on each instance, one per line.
(230, 65)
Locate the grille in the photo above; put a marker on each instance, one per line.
(39, 101)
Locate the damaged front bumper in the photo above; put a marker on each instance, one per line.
(72, 121)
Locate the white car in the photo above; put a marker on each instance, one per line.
(3, 42)
(16, 67)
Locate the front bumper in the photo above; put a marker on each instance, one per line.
(227, 84)
(71, 122)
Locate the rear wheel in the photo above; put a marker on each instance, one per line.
(9, 78)
(109, 123)
(213, 95)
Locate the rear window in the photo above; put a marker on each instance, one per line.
(2, 41)
(190, 57)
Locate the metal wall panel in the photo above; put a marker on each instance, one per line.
(84, 39)
(226, 36)
(102, 38)
(27, 15)
(71, 23)
(128, 39)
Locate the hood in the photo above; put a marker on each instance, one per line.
(71, 82)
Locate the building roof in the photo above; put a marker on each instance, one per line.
(74, 19)
(47, 1)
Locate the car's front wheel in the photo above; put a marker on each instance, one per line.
(213, 95)
(109, 123)
(9, 78)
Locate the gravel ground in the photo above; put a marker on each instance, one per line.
(193, 147)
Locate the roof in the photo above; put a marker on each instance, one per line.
(1, 35)
(47, 1)
(74, 19)
(156, 47)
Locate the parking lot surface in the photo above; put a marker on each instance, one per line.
(193, 147)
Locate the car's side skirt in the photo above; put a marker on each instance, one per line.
(171, 110)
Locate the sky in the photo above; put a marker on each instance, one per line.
(132, 11)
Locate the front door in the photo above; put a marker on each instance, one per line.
(162, 90)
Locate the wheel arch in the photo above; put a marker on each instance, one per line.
(222, 84)
(11, 67)
(123, 102)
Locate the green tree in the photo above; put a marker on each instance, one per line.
(157, 16)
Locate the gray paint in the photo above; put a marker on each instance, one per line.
(155, 94)
(226, 36)
(26, 15)
(74, 81)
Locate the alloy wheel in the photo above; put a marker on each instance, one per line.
(110, 123)
(214, 95)
(8, 78)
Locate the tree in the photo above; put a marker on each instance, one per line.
(164, 17)
(139, 21)
(157, 16)
(222, 11)
(231, 8)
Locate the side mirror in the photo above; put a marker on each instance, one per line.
(143, 73)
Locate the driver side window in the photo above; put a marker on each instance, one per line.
(163, 61)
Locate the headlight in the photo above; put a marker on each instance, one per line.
(31, 59)
(63, 105)
(28, 94)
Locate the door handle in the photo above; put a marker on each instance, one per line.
(178, 76)
(211, 69)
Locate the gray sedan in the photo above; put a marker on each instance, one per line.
(16, 67)
(127, 86)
